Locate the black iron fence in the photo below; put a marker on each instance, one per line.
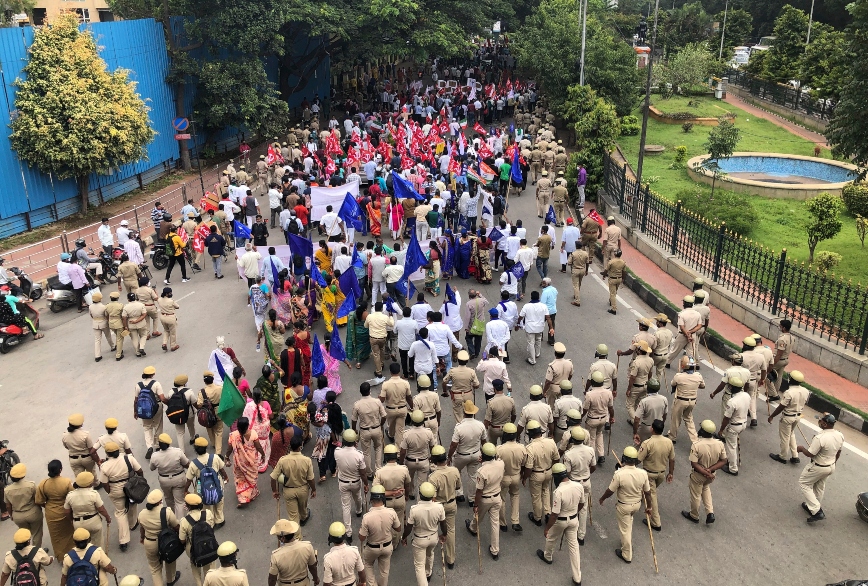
(782, 95)
(815, 301)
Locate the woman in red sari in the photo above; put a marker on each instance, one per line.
(374, 217)
(302, 344)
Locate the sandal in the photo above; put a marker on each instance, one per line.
(322, 479)
(38, 336)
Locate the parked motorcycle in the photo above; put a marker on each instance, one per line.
(159, 256)
(109, 266)
(12, 334)
(31, 289)
(61, 296)
(8, 459)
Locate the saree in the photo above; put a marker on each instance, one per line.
(295, 408)
(375, 219)
(332, 371)
(396, 217)
(51, 494)
(283, 305)
(270, 393)
(260, 422)
(259, 304)
(432, 275)
(245, 461)
(358, 340)
(303, 344)
(482, 260)
(462, 259)
(323, 260)
(447, 245)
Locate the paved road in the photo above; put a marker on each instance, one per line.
(760, 535)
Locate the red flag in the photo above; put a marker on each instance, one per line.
(478, 128)
(209, 201)
(508, 85)
(597, 218)
(305, 152)
(199, 237)
(330, 167)
(485, 169)
(454, 166)
(272, 156)
(484, 150)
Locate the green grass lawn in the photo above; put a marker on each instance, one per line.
(706, 108)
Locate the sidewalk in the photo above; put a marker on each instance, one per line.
(810, 135)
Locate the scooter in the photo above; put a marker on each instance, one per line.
(31, 289)
(61, 296)
(11, 334)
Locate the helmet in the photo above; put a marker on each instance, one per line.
(80, 243)
(167, 217)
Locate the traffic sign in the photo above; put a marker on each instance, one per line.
(180, 124)
(182, 137)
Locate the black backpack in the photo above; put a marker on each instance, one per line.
(206, 415)
(177, 407)
(499, 205)
(136, 489)
(203, 544)
(292, 227)
(26, 571)
(169, 545)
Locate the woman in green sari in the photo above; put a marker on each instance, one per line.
(358, 343)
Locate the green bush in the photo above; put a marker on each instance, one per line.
(687, 127)
(855, 197)
(629, 126)
(826, 260)
(680, 154)
(735, 209)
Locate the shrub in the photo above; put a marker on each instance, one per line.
(687, 127)
(680, 154)
(629, 126)
(855, 197)
(733, 208)
(681, 115)
(861, 228)
(826, 260)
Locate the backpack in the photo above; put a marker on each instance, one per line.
(206, 416)
(169, 545)
(146, 401)
(177, 407)
(292, 227)
(170, 246)
(250, 206)
(210, 487)
(136, 489)
(82, 572)
(203, 544)
(26, 572)
(258, 300)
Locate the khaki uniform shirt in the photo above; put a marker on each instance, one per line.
(134, 312)
(341, 565)
(664, 339)
(97, 315)
(704, 312)
(193, 472)
(590, 227)
(558, 370)
(169, 462)
(418, 441)
(21, 495)
(567, 498)
(146, 295)
(500, 410)
(226, 577)
(489, 476)
(468, 435)
(536, 156)
(825, 446)
(392, 476)
(629, 483)
(644, 335)
(737, 408)
(447, 483)
(651, 407)
(378, 524)
(544, 186)
(538, 410)
(578, 262)
(564, 404)
(687, 384)
(83, 502)
(379, 324)
(641, 369)
(564, 444)
(394, 393)
(544, 246)
(597, 403)
(150, 520)
(185, 532)
(578, 460)
(463, 379)
(213, 392)
(616, 268)
(514, 457)
(688, 319)
(794, 399)
(114, 473)
(707, 451)
(428, 402)
(754, 362)
(561, 160)
(368, 412)
(427, 515)
(785, 345)
(559, 194)
(607, 367)
(297, 470)
(121, 439)
(656, 452)
(113, 311)
(549, 157)
(167, 306)
(98, 559)
(78, 442)
(350, 463)
(611, 235)
(40, 557)
(542, 453)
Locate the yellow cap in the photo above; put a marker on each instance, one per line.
(350, 436)
(284, 527)
(749, 341)
(154, 497)
(689, 299)
(112, 447)
(164, 438)
(423, 381)
(532, 424)
(470, 408)
(566, 384)
(427, 490)
(597, 376)
(390, 449)
(192, 499)
(631, 452)
(18, 471)
(150, 370)
(201, 442)
(661, 317)
(708, 426)
(536, 391)
(578, 434)
(227, 548)
(338, 529)
(181, 380)
(130, 580)
(22, 536)
(797, 376)
(559, 468)
(114, 295)
(602, 350)
(111, 423)
(735, 381)
(81, 534)
(574, 414)
(438, 450)
(84, 479)
(510, 428)
(378, 489)
(207, 373)
(463, 355)
(76, 419)
(488, 449)
(756, 337)
(560, 348)
(96, 296)
(417, 416)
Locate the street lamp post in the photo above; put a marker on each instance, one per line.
(723, 30)
(198, 161)
(647, 100)
(583, 16)
(810, 22)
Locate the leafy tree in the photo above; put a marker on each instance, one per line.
(861, 228)
(785, 56)
(684, 25)
(739, 25)
(826, 63)
(832, 12)
(74, 117)
(721, 143)
(824, 223)
(10, 7)
(689, 68)
(756, 64)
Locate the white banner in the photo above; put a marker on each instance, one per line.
(281, 251)
(320, 197)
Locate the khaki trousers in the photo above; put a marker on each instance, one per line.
(83, 464)
(181, 430)
(399, 505)
(752, 388)
(540, 484)
(659, 365)
(596, 430)
(296, 504)
(779, 368)
(150, 322)
(730, 438)
(217, 510)
(495, 432)
(679, 344)
(97, 340)
(170, 330)
(625, 527)
(577, 286)
(458, 405)
(199, 573)
(787, 435)
(569, 529)
(350, 492)
(608, 253)
(152, 554)
(153, 428)
(471, 463)
(32, 521)
(560, 211)
(215, 436)
(422, 467)
(382, 556)
(378, 349)
(395, 423)
(423, 557)
(682, 411)
(510, 486)
(700, 489)
(433, 426)
(631, 400)
(119, 341)
(371, 444)
(583, 514)
(173, 493)
(125, 512)
(138, 336)
(491, 506)
(451, 510)
(812, 481)
(655, 479)
(94, 526)
(130, 287)
(613, 292)
(542, 204)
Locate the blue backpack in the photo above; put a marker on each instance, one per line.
(146, 401)
(82, 572)
(211, 489)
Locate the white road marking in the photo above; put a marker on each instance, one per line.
(185, 296)
(637, 314)
(710, 365)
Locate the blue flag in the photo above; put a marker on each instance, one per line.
(404, 189)
(515, 171)
(349, 282)
(463, 222)
(348, 306)
(242, 231)
(412, 292)
(390, 305)
(517, 270)
(415, 257)
(336, 347)
(317, 364)
(317, 277)
(351, 213)
(220, 370)
(275, 279)
(357, 260)
(550, 216)
(300, 246)
(495, 235)
(450, 298)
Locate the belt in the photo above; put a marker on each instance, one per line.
(417, 459)
(452, 500)
(370, 428)
(349, 481)
(496, 426)
(293, 581)
(799, 414)
(166, 313)
(820, 465)
(742, 423)
(543, 471)
(559, 427)
(171, 475)
(628, 504)
(470, 454)
(378, 545)
(79, 456)
(394, 498)
(685, 398)
(119, 480)
(490, 496)
(580, 479)
(600, 417)
(150, 538)
(148, 304)
(570, 518)
(431, 417)
(424, 536)
(653, 471)
(398, 407)
(640, 384)
(85, 518)
(373, 338)
(655, 354)
(291, 487)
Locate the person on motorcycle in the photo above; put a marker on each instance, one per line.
(8, 280)
(165, 226)
(86, 262)
(123, 233)
(10, 314)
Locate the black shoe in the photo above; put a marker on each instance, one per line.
(119, 358)
(219, 525)
(97, 359)
(728, 471)
(753, 423)
(657, 528)
(688, 516)
(124, 546)
(149, 453)
(532, 520)
(777, 458)
(607, 426)
(805, 506)
(493, 555)
(818, 516)
(134, 527)
(358, 514)
(576, 583)
(348, 539)
(173, 582)
(193, 439)
(581, 542)
(304, 521)
(470, 504)
(517, 527)
(450, 566)
(114, 348)
(467, 524)
(144, 353)
(541, 555)
(546, 518)
(428, 578)
(613, 312)
(709, 518)
(601, 460)
(668, 366)
(460, 499)
(504, 528)
(794, 461)
(412, 497)
(621, 555)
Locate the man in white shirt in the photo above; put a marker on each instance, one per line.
(497, 333)
(342, 260)
(376, 266)
(63, 269)
(134, 251)
(452, 313)
(492, 368)
(354, 177)
(424, 356)
(509, 284)
(274, 197)
(420, 310)
(526, 256)
(570, 235)
(444, 163)
(308, 164)
(535, 316)
(104, 233)
(441, 336)
(285, 216)
(500, 245)
(370, 169)
(406, 328)
(333, 225)
(507, 311)
(513, 243)
(123, 233)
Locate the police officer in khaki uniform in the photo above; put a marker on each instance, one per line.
(148, 297)
(202, 459)
(580, 462)
(416, 448)
(590, 233)
(606, 367)
(783, 348)
(536, 157)
(135, 320)
(599, 407)
(487, 501)
(792, 402)
(427, 521)
(343, 563)
(689, 322)
(563, 405)
(543, 194)
(113, 435)
(352, 478)
(396, 480)
(114, 314)
(428, 402)
(542, 453)
(657, 455)
(375, 534)
(150, 523)
(707, 455)
(578, 262)
(643, 335)
(734, 371)
(228, 573)
(756, 362)
(467, 439)
(293, 559)
(296, 471)
(463, 381)
(629, 484)
(561, 160)
(514, 456)
(651, 408)
(82, 453)
(185, 533)
(129, 274)
(100, 326)
(499, 410)
(824, 451)
(702, 308)
(213, 392)
(168, 307)
(559, 198)
(735, 418)
(611, 241)
(614, 272)
(447, 483)
(85, 542)
(23, 550)
(368, 418)
(86, 506)
(663, 336)
(549, 157)
(685, 387)
(115, 472)
(182, 429)
(567, 503)
(396, 397)
(537, 409)
(640, 372)
(20, 500)
(558, 369)
(171, 465)
(574, 421)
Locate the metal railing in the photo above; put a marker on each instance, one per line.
(782, 95)
(816, 301)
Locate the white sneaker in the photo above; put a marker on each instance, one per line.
(378, 381)
(166, 282)
(185, 280)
